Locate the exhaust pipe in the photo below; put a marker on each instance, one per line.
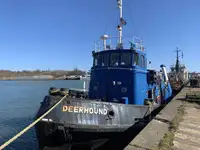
(165, 73)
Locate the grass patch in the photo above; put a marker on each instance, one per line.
(167, 141)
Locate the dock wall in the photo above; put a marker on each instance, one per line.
(150, 137)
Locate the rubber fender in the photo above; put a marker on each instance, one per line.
(54, 91)
(64, 91)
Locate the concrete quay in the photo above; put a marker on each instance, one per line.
(175, 127)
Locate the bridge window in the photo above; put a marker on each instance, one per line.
(126, 59)
(136, 59)
(96, 60)
(114, 59)
(105, 60)
(142, 61)
(145, 62)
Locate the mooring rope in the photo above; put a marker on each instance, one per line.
(31, 125)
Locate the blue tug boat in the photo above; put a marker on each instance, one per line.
(122, 91)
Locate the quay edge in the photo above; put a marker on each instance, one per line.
(159, 126)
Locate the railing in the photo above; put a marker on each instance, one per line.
(111, 43)
(180, 66)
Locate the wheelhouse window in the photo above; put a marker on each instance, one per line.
(114, 59)
(136, 59)
(145, 62)
(125, 59)
(96, 60)
(142, 61)
(105, 60)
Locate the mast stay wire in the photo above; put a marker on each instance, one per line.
(135, 28)
(107, 24)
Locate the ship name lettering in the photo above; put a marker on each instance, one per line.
(80, 109)
(85, 110)
(77, 109)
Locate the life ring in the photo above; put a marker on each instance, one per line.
(158, 100)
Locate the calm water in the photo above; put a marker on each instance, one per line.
(19, 102)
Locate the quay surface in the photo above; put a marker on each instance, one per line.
(187, 135)
(175, 127)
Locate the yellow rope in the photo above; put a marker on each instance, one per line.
(31, 125)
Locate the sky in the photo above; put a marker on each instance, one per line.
(60, 34)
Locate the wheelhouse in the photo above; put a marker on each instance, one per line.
(119, 72)
(119, 59)
(124, 55)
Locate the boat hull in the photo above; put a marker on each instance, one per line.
(176, 87)
(54, 135)
(79, 120)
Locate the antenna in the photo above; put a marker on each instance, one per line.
(122, 22)
(177, 59)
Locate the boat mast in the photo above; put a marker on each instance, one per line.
(122, 22)
(177, 60)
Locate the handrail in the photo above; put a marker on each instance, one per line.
(112, 44)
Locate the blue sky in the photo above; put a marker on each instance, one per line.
(60, 34)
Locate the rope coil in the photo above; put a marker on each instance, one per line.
(32, 124)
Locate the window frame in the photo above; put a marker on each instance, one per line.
(138, 61)
(142, 61)
(103, 60)
(130, 59)
(118, 59)
(97, 58)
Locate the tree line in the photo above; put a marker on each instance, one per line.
(55, 73)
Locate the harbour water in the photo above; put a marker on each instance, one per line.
(19, 102)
